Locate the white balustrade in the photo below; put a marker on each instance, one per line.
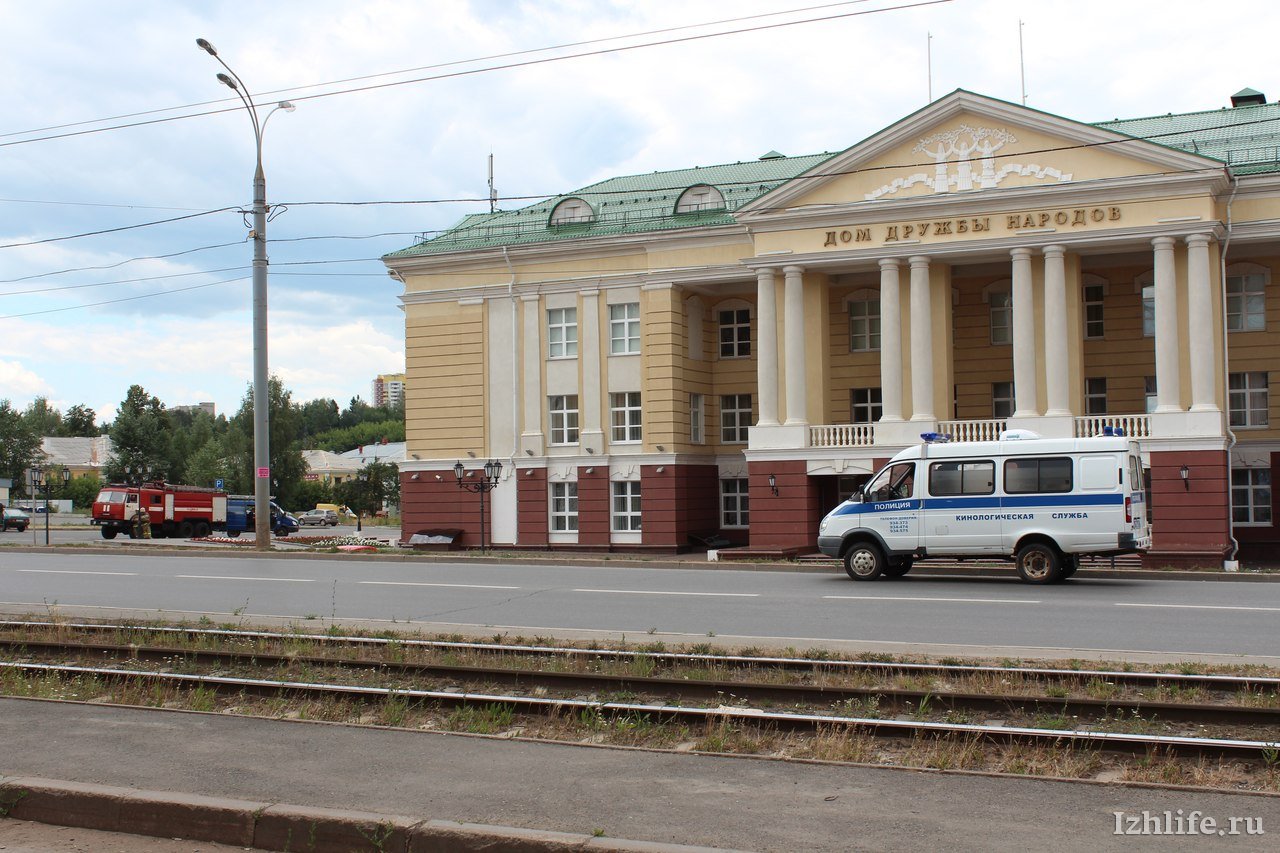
(842, 435)
(1134, 426)
(987, 429)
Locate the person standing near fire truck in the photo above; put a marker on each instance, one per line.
(141, 524)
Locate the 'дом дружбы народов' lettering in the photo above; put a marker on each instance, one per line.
(1079, 216)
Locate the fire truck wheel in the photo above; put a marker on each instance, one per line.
(202, 529)
(108, 533)
(185, 530)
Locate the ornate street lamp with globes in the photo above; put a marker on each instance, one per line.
(490, 476)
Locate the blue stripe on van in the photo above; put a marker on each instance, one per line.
(983, 502)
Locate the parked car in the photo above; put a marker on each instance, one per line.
(15, 518)
(319, 516)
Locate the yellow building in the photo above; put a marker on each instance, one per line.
(729, 350)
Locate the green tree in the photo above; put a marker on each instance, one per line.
(80, 421)
(207, 464)
(369, 432)
(375, 486)
(80, 491)
(141, 436)
(19, 446)
(319, 416)
(309, 493)
(284, 429)
(190, 432)
(43, 418)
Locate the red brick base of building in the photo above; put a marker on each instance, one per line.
(1190, 523)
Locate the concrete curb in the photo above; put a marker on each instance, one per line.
(278, 826)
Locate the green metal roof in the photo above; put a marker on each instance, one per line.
(1246, 137)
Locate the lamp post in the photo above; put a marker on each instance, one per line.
(261, 401)
(35, 477)
(488, 481)
(363, 478)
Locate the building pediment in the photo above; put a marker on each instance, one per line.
(967, 145)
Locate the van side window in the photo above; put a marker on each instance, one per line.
(962, 478)
(1025, 476)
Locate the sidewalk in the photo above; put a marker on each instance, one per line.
(282, 770)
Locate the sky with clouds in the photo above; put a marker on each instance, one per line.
(114, 119)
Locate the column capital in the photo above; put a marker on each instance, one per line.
(529, 297)
(1054, 251)
(1199, 239)
(793, 269)
(887, 263)
(1164, 242)
(1021, 253)
(764, 275)
(918, 261)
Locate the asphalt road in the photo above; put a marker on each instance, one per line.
(1085, 617)
(62, 532)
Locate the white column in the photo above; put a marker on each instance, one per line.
(794, 345)
(1055, 331)
(1200, 332)
(921, 341)
(1024, 337)
(1168, 383)
(767, 349)
(531, 435)
(589, 351)
(890, 340)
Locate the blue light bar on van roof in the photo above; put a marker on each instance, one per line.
(1116, 431)
(935, 437)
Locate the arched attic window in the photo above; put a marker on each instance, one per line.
(698, 198)
(572, 211)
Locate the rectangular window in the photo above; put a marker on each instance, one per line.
(962, 478)
(1149, 393)
(624, 417)
(562, 332)
(735, 333)
(1001, 399)
(735, 418)
(1001, 302)
(864, 325)
(1248, 399)
(624, 328)
(734, 503)
(1093, 311)
(564, 418)
(1149, 311)
(1246, 303)
(697, 419)
(564, 507)
(1251, 495)
(1027, 476)
(1095, 396)
(864, 405)
(625, 517)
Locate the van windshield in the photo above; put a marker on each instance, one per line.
(107, 496)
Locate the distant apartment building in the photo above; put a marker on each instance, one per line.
(208, 408)
(388, 390)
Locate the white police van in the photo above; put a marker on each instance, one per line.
(1040, 501)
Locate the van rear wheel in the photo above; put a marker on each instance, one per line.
(1039, 562)
(864, 562)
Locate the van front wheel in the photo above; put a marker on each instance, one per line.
(1039, 563)
(864, 562)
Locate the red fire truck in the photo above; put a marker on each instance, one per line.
(175, 511)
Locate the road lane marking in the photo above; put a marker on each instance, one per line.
(70, 572)
(242, 578)
(908, 598)
(423, 583)
(1201, 606)
(660, 592)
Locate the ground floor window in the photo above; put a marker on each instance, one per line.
(625, 517)
(734, 503)
(564, 507)
(1251, 495)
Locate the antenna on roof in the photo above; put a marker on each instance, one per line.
(1022, 65)
(928, 53)
(493, 193)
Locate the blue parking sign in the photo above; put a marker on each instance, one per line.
(217, 484)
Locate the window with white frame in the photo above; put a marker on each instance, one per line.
(1095, 395)
(572, 211)
(864, 325)
(624, 328)
(1001, 399)
(735, 332)
(564, 507)
(624, 417)
(625, 517)
(562, 332)
(701, 197)
(563, 410)
(735, 418)
(734, 503)
(1246, 301)
(1094, 326)
(1000, 301)
(865, 405)
(1251, 495)
(1149, 393)
(1249, 399)
(1149, 311)
(697, 419)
